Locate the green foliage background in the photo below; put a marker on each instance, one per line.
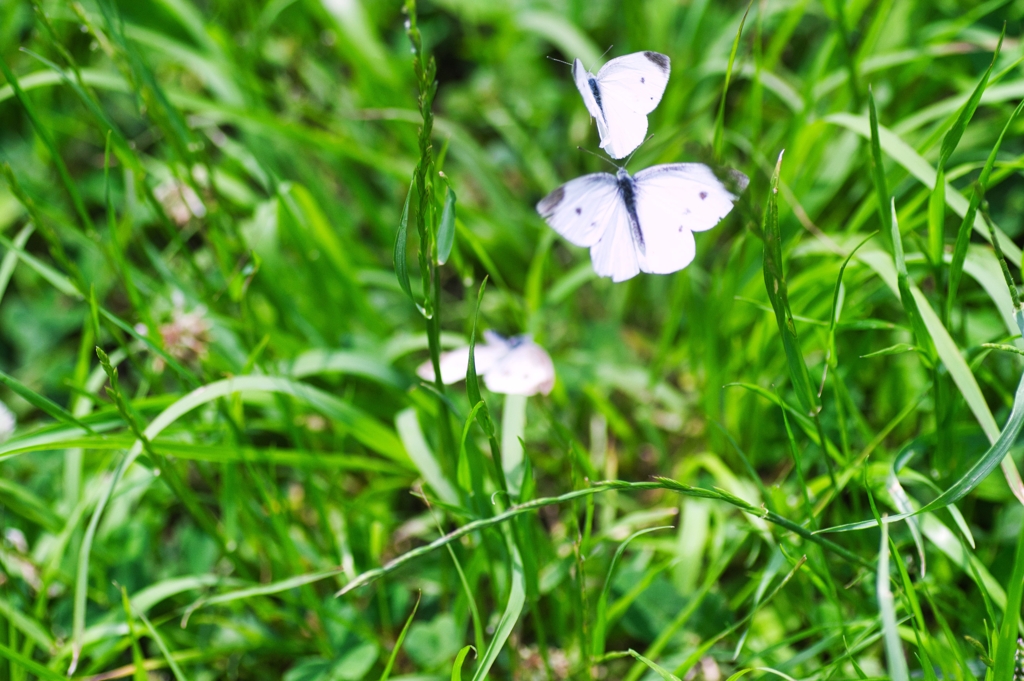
(210, 190)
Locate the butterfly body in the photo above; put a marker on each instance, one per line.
(620, 96)
(643, 222)
(627, 190)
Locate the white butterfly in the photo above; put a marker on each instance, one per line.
(643, 222)
(512, 366)
(621, 95)
(8, 422)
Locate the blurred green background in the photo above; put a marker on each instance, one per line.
(211, 189)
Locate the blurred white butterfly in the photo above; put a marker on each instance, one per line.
(643, 222)
(621, 95)
(8, 422)
(512, 366)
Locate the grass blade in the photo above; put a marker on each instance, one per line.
(179, 675)
(1018, 309)
(902, 503)
(775, 563)
(51, 146)
(138, 661)
(937, 199)
(57, 249)
(376, 436)
(995, 455)
(401, 244)
(401, 639)
(70, 289)
(30, 665)
(471, 466)
(910, 303)
(474, 612)
(877, 169)
(719, 134)
(408, 426)
(948, 352)
(513, 427)
(602, 602)
(472, 381)
(261, 590)
(968, 386)
(985, 464)
(473, 392)
(513, 608)
(29, 627)
(895, 660)
(916, 165)
(834, 316)
(704, 647)
(459, 660)
(775, 282)
(952, 138)
(937, 218)
(446, 229)
(921, 627)
(963, 236)
(1006, 642)
(322, 361)
(25, 503)
(11, 258)
(806, 423)
(654, 666)
(599, 488)
(42, 402)
(897, 349)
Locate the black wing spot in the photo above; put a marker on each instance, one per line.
(593, 224)
(642, 80)
(659, 60)
(680, 229)
(703, 195)
(578, 210)
(549, 203)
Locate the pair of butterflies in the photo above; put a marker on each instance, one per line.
(643, 222)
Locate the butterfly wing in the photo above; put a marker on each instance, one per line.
(615, 255)
(579, 210)
(582, 79)
(455, 363)
(635, 80)
(672, 202)
(622, 129)
(628, 89)
(526, 370)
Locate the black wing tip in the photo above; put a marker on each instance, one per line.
(739, 180)
(546, 206)
(658, 59)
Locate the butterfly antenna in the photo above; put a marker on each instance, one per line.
(559, 60)
(607, 51)
(600, 157)
(630, 157)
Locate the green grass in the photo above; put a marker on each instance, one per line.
(224, 464)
